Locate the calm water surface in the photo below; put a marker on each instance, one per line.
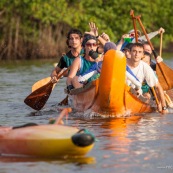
(143, 143)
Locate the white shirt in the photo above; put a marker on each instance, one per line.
(144, 72)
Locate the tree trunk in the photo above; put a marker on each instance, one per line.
(9, 41)
(16, 41)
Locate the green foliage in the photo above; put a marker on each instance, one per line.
(111, 16)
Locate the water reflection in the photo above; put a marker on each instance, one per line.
(143, 144)
(119, 134)
(65, 160)
(135, 142)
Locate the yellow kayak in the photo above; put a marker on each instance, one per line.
(45, 141)
(52, 140)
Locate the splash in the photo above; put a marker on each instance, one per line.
(91, 114)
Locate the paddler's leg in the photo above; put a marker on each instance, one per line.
(75, 82)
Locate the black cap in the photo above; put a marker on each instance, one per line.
(86, 38)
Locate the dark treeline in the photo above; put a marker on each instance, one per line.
(32, 29)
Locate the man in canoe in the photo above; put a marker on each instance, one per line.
(81, 63)
(144, 72)
(74, 42)
(147, 59)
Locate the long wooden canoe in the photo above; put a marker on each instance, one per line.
(109, 95)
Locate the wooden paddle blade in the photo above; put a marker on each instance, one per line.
(39, 97)
(41, 83)
(164, 74)
(64, 101)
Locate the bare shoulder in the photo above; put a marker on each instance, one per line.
(76, 62)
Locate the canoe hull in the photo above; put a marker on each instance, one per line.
(109, 95)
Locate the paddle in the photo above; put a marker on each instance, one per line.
(44, 81)
(134, 25)
(39, 97)
(41, 83)
(161, 38)
(167, 98)
(163, 71)
(150, 35)
(64, 101)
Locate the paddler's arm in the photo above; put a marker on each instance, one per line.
(121, 42)
(54, 74)
(163, 109)
(103, 38)
(58, 69)
(73, 71)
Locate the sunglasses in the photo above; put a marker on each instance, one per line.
(91, 44)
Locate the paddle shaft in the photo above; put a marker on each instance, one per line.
(154, 53)
(161, 38)
(134, 25)
(143, 29)
(155, 95)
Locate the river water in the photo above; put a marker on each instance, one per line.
(140, 144)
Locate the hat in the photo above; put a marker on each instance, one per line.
(109, 45)
(138, 32)
(86, 38)
(127, 47)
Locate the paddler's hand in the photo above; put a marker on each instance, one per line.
(93, 29)
(139, 92)
(159, 59)
(69, 87)
(124, 36)
(164, 110)
(54, 79)
(105, 36)
(161, 30)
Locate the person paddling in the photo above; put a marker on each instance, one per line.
(74, 42)
(144, 72)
